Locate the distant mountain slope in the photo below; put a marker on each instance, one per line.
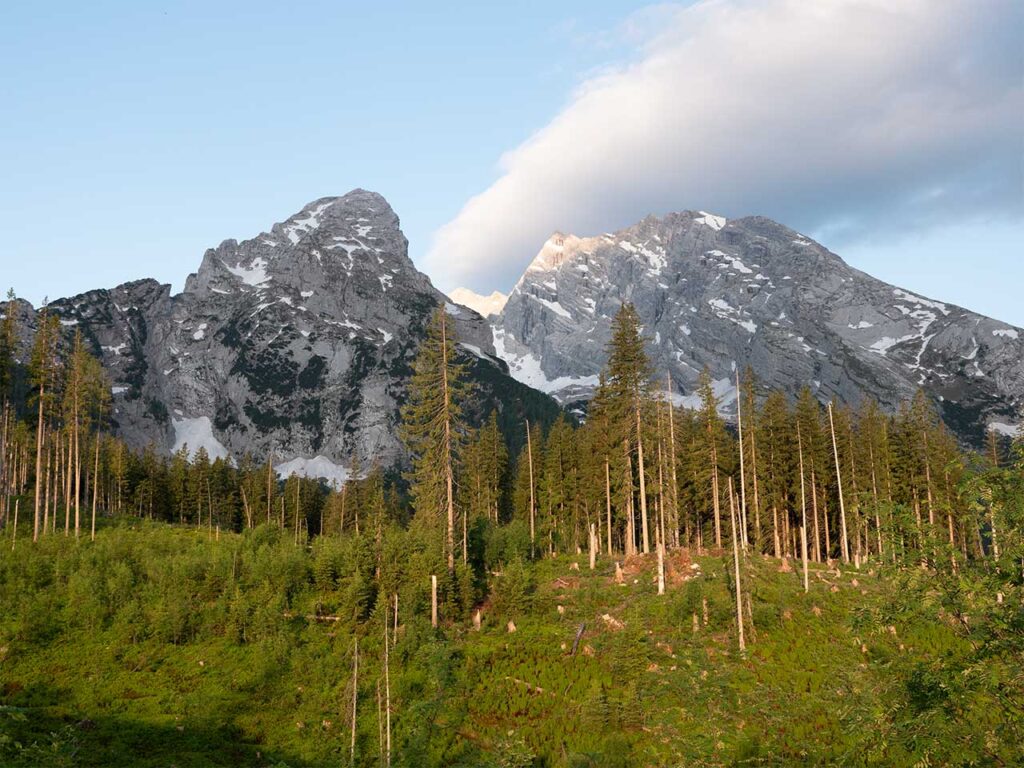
(720, 293)
(297, 343)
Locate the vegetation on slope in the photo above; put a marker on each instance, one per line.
(220, 617)
(158, 645)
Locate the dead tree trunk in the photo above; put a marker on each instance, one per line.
(646, 543)
(355, 699)
(433, 601)
(743, 473)
(803, 504)
(95, 485)
(736, 566)
(529, 461)
(839, 483)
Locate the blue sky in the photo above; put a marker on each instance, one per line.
(136, 135)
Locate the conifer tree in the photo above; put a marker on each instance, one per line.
(629, 373)
(433, 427)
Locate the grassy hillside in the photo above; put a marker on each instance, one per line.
(158, 645)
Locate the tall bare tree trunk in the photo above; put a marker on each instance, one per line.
(776, 544)
(449, 471)
(245, 506)
(355, 698)
(78, 470)
(630, 510)
(753, 475)
(593, 546)
(839, 482)
(608, 499)
(270, 493)
(533, 505)
(874, 496)
(69, 462)
(661, 566)
(715, 499)
(928, 481)
(387, 695)
(736, 566)
(95, 486)
(743, 473)
(433, 601)
(814, 511)
(803, 504)
(48, 449)
(646, 543)
(672, 460)
(39, 466)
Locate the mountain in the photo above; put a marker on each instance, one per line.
(295, 344)
(718, 294)
(485, 306)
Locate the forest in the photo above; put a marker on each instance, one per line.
(653, 584)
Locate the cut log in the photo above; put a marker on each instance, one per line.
(579, 636)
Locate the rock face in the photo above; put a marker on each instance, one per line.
(718, 294)
(297, 343)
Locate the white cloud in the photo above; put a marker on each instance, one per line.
(839, 117)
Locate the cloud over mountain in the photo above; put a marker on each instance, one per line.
(838, 117)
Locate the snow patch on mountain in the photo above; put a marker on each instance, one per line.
(1008, 430)
(254, 274)
(711, 220)
(308, 223)
(197, 433)
(485, 306)
(319, 467)
(526, 368)
(725, 395)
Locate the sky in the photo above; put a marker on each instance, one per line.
(133, 136)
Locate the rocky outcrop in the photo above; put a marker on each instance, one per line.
(718, 294)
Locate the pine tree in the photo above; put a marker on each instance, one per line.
(433, 427)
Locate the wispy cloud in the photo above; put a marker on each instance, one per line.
(850, 117)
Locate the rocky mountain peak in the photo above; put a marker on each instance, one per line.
(296, 343)
(720, 294)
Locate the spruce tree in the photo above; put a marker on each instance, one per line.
(433, 427)
(629, 374)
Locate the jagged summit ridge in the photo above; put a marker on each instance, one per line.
(721, 293)
(296, 343)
